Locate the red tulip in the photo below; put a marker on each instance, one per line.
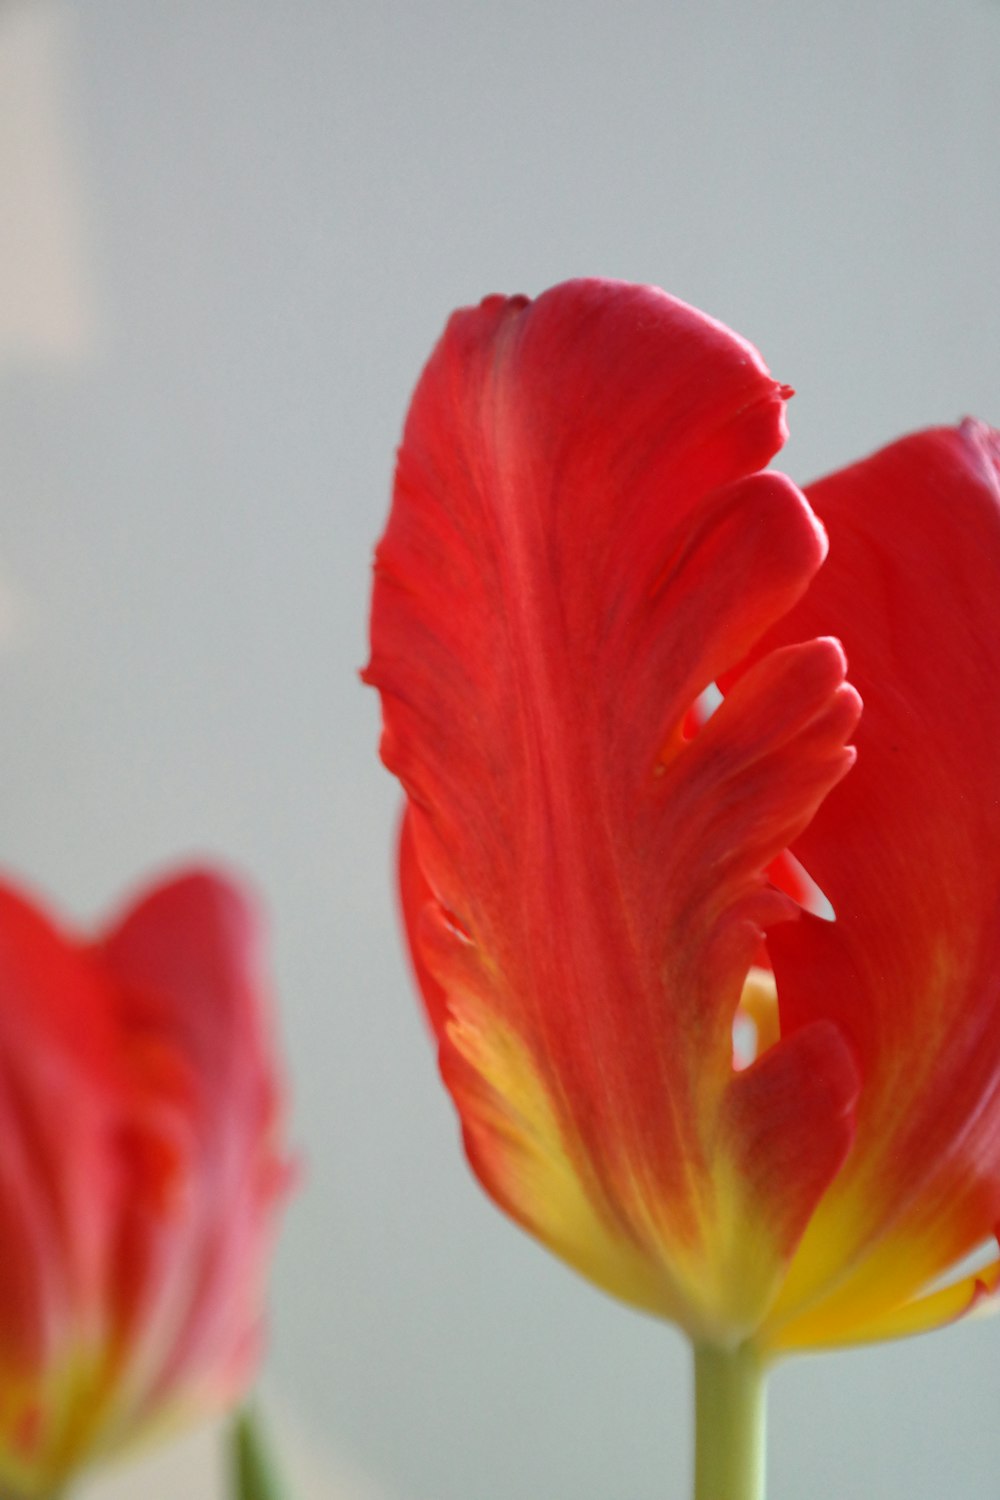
(141, 1170)
(599, 876)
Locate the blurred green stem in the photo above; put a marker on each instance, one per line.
(729, 1423)
(254, 1475)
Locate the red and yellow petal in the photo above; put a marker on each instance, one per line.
(976, 1292)
(580, 543)
(910, 858)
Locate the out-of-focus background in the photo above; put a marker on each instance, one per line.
(229, 233)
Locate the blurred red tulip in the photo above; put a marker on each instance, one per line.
(141, 1173)
(598, 873)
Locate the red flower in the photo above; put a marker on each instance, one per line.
(140, 1172)
(596, 873)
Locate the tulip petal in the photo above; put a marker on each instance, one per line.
(57, 1055)
(977, 1292)
(579, 545)
(186, 967)
(910, 858)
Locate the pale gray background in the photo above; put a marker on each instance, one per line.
(271, 209)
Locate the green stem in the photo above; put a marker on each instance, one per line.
(729, 1423)
(254, 1474)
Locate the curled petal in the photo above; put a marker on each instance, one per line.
(580, 543)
